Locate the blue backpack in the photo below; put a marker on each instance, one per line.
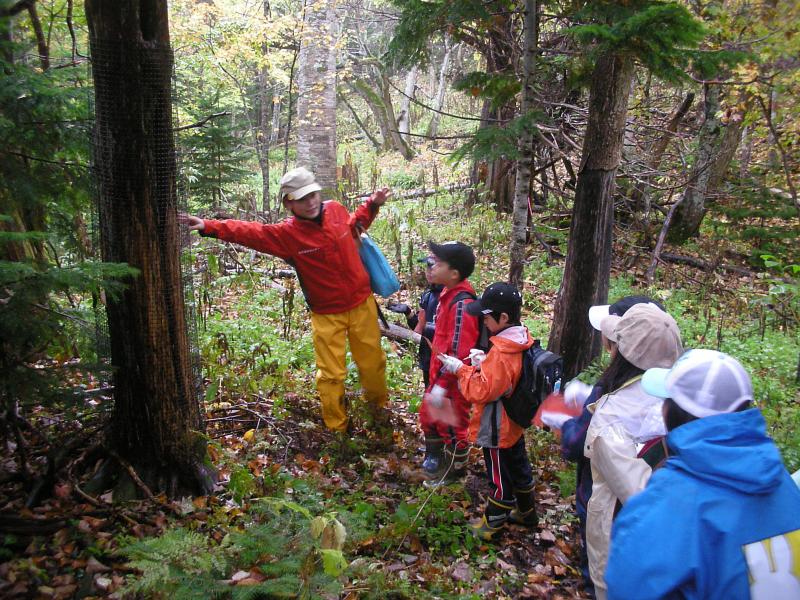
(382, 278)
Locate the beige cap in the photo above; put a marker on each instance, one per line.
(297, 183)
(645, 335)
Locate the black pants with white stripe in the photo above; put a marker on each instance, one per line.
(508, 469)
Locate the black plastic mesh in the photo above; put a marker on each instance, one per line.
(106, 57)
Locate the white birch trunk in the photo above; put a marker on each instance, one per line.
(316, 91)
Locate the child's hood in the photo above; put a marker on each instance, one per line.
(513, 339)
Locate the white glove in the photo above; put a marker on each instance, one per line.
(554, 420)
(450, 364)
(436, 396)
(476, 357)
(576, 393)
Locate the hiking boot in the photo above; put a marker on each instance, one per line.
(452, 466)
(492, 522)
(434, 453)
(525, 511)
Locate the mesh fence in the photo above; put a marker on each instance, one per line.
(168, 187)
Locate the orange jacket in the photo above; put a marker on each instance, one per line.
(325, 255)
(490, 426)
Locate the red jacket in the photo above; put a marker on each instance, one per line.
(455, 332)
(324, 255)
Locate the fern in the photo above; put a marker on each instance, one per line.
(180, 563)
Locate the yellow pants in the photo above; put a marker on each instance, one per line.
(360, 326)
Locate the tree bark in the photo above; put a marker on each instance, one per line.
(497, 176)
(588, 264)
(156, 422)
(441, 88)
(640, 197)
(316, 94)
(519, 226)
(404, 117)
(41, 41)
(263, 134)
(691, 210)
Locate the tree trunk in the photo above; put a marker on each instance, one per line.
(404, 117)
(41, 41)
(316, 94)
(728, 146)
(691, 208)
(588, 264)
(640, 196)
(398, 141)
(156, 422)
(497, 176)
(441, 88)
(519, 226)
(263, 134)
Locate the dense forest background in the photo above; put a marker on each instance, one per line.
(586, 150)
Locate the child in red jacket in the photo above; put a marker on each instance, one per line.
(484, 385)
(444, 413)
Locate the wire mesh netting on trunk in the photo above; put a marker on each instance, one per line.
(136, 176)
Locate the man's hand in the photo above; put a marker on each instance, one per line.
(380, 197)
(192, 223)
(451, 364)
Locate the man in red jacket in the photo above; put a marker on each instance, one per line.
(318, 241)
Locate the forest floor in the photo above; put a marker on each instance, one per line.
(69, 546)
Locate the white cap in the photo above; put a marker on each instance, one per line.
(702, 382)
(297, 183)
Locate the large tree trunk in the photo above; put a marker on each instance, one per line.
(316, 94)
(519, 227)
(156, 423)
(691, 208)
(588, 264)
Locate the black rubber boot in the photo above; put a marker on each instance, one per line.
(452, 467)
(492, 522)
(434, 452)
(525, 512)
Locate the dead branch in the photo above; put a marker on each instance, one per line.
(396, 332)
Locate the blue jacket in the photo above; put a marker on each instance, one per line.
(573, 439)
(695, 531)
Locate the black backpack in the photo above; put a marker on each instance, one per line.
(540, 377)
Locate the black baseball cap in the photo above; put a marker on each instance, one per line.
(620, 307)
(499, 298)
(459, 256)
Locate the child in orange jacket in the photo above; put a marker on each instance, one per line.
(484, 385)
